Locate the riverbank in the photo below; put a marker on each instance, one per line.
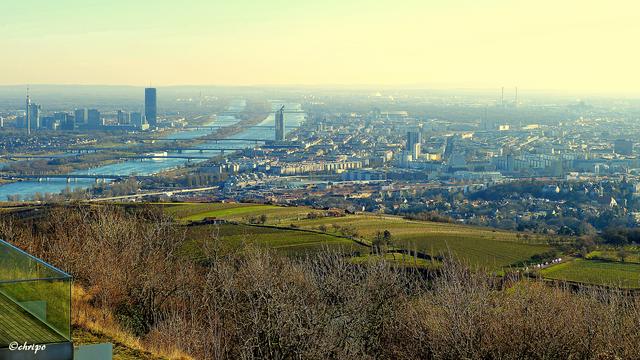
(255, 117)
(64, 165)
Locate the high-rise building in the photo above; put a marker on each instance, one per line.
(279, 122)
(138, 121)
(123, 117)
(151, 107)
(93, 119)
(80, 116)
(47, 122)
(34, 116)
(64, 120)
(71, 122)
(27, 114)
(414, 143)
(31, 115)
(60, 116)
(135, 118)
(623, 147)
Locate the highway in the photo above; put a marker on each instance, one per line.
(157, 193)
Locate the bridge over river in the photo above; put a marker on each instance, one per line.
(178, 149)
(207, 139)
(162, 157)
(71, 177)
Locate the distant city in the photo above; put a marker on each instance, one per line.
(319, 180)
(36, 118)
(364, 150)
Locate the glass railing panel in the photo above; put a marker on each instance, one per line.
(35, 299)
(16, 264)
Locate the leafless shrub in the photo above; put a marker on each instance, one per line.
(252, 303)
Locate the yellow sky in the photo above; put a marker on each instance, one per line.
(563, 45)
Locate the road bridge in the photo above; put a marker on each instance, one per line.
(206, 139)
(156, 193)
(178, 149)
(162, 157)
(32, 157)
(71, 177)
(215, 127)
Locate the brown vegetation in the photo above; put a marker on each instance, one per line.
(252, 303)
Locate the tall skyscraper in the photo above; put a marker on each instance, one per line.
(623, 147)
(71, 122)
(414, 143)
(34, 117)
(31, 114)
(60, 116)
(93, 119)
(151, 106)
(279, 122)
(64, 120)
(80, 116)
(27, 113)
(123, 117)
(48, 122)
(136, 119)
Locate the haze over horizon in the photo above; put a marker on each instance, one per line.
(577, 45)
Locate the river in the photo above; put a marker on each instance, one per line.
(27, 189)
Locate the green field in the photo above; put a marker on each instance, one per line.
(197, 211)
(398, 258)
(474, 245)
(631, 254)
(477, 246)
(625, 275)
(229, 211)
(282, 240)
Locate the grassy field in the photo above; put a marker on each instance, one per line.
(229, 211)
(478, 246)
(398, 258)
(631, 254)
(625, 275)
(121, 351)
(475, 245)
(292, 242)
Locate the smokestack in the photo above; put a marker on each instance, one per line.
(502, 97)
(516, 96)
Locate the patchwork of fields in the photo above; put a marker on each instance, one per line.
(298, 231)
(230, 211)
(292, 242)
(481, 247)
(631, 255)
(597, 272)
(477, 246)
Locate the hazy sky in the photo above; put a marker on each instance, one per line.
(565, 45)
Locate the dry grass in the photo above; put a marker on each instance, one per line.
(93, 325)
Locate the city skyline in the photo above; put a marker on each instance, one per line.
(414, 179)
(487, 44)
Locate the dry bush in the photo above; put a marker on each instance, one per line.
(253, 304)
(126, 261)
(468, 316)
